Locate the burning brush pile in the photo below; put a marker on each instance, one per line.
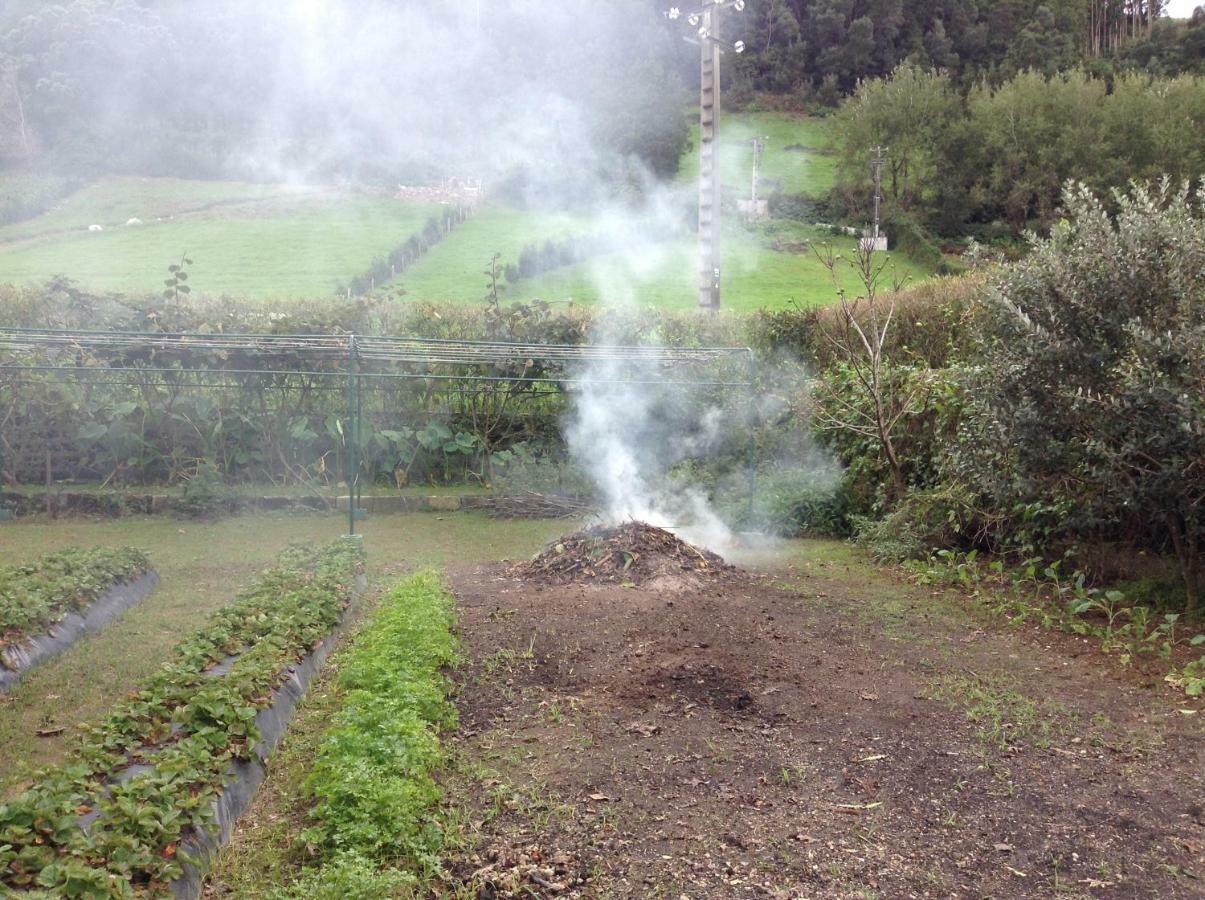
(632, 553)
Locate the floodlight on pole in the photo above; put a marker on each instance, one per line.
(706, 21)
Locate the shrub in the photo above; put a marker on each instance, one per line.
(1089, 401)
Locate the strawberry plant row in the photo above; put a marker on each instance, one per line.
(36, 595)
(109, 822)
(372, 824)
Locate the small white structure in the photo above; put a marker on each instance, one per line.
(870, 242)
(96, 228)
(134, 223)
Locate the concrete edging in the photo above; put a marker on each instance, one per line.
(35, 650)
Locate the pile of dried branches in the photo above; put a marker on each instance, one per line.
(532, 505)
(632, 553)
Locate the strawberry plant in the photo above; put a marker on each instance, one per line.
(109, 821)
(36, 595)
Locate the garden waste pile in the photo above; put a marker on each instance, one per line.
(631, 553)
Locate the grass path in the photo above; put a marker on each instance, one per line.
(202, 565)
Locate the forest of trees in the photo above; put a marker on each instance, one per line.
(822, 48)
(992, 160)
(363, 89)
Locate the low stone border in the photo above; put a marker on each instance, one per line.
(404, 503)
(20, 658)
(132, 503)
(201, 847)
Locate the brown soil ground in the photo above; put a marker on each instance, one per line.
(818, 731)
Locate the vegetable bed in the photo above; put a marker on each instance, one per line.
(111, 819)
(35, 596)
(373, 826)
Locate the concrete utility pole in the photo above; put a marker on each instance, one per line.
(759, 148)
(707, 21)
(755, 208)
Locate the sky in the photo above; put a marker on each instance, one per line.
(1181, 9)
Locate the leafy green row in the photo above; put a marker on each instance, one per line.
(36, 595)
(182, 729)
(372, 779)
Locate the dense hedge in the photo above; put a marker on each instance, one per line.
(185, 727)
(290, 427)
(35, 595)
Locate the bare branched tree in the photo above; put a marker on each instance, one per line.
(857, 333)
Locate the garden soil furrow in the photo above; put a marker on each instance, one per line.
(201, 847)
(37, 649)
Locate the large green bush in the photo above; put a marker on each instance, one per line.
(1085, 417)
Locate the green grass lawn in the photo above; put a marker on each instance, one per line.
(270, 241)
(454, 270)
(252, 241)
(202, 565)
(807, 168)
(756, 275)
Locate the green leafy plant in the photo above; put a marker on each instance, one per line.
(185, 726)
(372, 779)
(35, 595)
(177, 279)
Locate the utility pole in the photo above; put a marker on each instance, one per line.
(875, 241)
(759, 148)
(708, 21)
(876, 165)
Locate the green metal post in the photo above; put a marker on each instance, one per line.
(353, 456)
(751, 450)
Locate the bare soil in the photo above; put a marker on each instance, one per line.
(822, 731)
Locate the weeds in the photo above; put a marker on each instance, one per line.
(1042, 593)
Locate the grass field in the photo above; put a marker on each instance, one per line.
(454, 270)
(756, 276)
(245, 240)
(264, 241)
(807, 168)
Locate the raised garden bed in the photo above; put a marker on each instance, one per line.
(48, 604)
(158, 774)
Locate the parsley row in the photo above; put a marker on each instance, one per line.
(108, 822)
(373, 823)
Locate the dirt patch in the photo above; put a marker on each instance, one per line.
(631, 554)
(745, 738)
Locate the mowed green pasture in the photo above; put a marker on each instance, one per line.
(255, 241)
(258, 241)
(773, 266)
(755, 275)
(798, 156)
(454, 271)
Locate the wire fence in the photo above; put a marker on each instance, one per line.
(354, 364)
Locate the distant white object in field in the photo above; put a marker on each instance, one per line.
(134, 222)
(96, 228)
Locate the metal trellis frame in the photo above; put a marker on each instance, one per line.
(361, 362)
